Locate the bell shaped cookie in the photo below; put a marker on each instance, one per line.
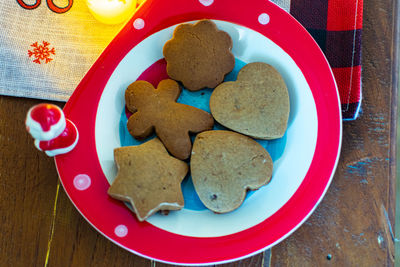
(224, 165)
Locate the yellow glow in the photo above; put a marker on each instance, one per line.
(111, 11)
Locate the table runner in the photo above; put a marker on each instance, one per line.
(46, 49)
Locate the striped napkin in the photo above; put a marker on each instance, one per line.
(45, 49)
(336, 25)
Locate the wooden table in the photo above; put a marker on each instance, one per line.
(351, 227)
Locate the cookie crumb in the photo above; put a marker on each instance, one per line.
(164, 212)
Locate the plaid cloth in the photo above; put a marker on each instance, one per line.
(336, 25)
(46, 50)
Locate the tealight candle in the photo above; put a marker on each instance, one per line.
(111, 11)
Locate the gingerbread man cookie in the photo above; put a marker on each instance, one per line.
(199, 55)
(157, 110)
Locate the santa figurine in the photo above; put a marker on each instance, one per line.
(53, 133)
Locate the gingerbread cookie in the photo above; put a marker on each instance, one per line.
(156, 109)
(199, 55)
(148, 178)
(257, 104)
(224, 165)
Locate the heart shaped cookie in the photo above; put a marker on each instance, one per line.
(224, 165)
(256, 104)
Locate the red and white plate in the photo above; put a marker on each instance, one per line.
(303, 168)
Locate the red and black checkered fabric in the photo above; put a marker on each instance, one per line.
(336, 25)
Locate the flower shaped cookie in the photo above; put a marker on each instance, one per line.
(199, 55)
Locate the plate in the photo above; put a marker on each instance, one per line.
(304, 159)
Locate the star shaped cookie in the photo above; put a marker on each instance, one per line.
(148, 178)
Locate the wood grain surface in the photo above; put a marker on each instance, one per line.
(351, 227)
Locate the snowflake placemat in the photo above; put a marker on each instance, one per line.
(45, 50)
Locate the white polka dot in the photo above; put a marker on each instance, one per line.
(121, 230)
(206, 2)
(263, 18)
(138, 24)
(82, 182)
